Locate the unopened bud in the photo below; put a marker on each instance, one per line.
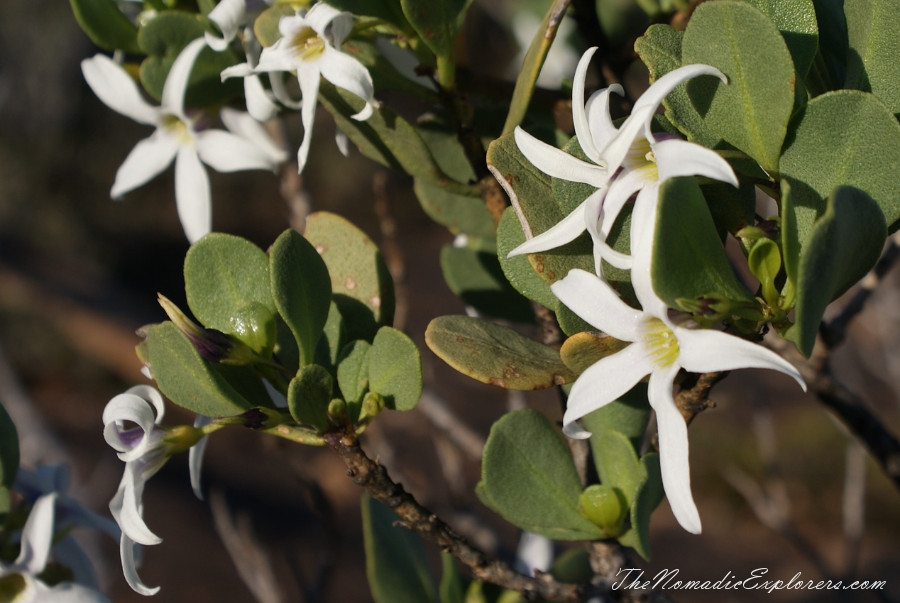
(605, 506)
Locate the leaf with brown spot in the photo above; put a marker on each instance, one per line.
(582, 350)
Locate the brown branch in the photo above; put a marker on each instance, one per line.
(694, 395)
(374, 478)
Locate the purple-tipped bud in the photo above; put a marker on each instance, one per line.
(213, 345)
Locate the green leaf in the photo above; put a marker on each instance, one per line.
(517, 270)
(308, 396)
(163, 38)
(647, 499)
(9, 454)
(829, 68)
(532, 63)
(581, 350)
(360, 280)
(353, 373)
(395, 369)
(193, 383)
(301, 290)
(476, 277)
(395, 558)
(843, 245)
(873, 59)
(106, 25)
(605, 506)
(437, 22)
(494, 354)
(617, 463)
(461, 214)
(844, 138)
(660, 50)
(385, 137)
(224, 274)
(628, 415)
(333, 338)
(747, 47)
(452, 588)
(796, 20)
(528, 476)
(388, 10)
(689, 260)
(265, 28)
(764, 262)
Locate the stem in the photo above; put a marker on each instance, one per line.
(374, 478)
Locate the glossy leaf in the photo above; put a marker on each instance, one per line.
(395, 369)
(163, 38)
(843, 245)
(437, 22)
(527, 475)
(193, 383)
(845, 137)
(476, 277)
(360, 281)
(106, 25)
(689, 260)
(222, 275)
(308, 396)
(301, 290)
(494, 354)
(873, 58)
(395, 559)
(747, 47)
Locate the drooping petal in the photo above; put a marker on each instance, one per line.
(227, 152)
(37, 536)
(595, 302)
(643, 226)
(239, 70)
(177, 79)
(248, 128)
(579, 112)
(557, 163)
(330, 23)
(602, 128)
(129, 569)
(308, 77)
(147, 159)
(705, 350)
(675, 157)
(259, 102)
(134, 442)
(228, 15)
(603, 382)
(346, 72)
(192, 196)
(118, 90)
(276, 79)
(654, 95)
(673, 449)
(195, 457)
(596, 224)
(127, 508)
(565, 231)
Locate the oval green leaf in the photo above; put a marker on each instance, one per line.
(308, 396)
(106, 25)
(395, 369)
(476, 277)
(873, 60)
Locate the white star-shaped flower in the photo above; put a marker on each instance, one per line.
(179, 137)
(623, 161)
(659, 348)
(310, 46)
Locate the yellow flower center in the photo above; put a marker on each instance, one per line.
(307, 44)
(660, 342)
(176, 128)
(641, 158)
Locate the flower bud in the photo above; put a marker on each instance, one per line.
(605, 506)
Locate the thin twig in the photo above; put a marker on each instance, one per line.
(374, 478)
(393, 256)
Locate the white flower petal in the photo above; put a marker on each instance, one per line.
(259, 101)
(602, 128)
(330, 23)
(179, 74)
(594, 218)
(579, 113)
(673, 449)
(192, 196)
(239, 70)
(37, 536)
(126, 550)
(637, 124)
(276, 79)
(565, 231)
(654, 95)
(248, 128)
(309, 88)
(228, 15)
(606, 380)
(227, 152)
(147, 159)
(127, 508)
(595, 302)
(342, 141)
(557, 163)
(195, 457)
(643, 226)
(676, 157)
(705, 350)
(118, 90)
(345, 72)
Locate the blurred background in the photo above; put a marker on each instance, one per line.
(777, 481)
